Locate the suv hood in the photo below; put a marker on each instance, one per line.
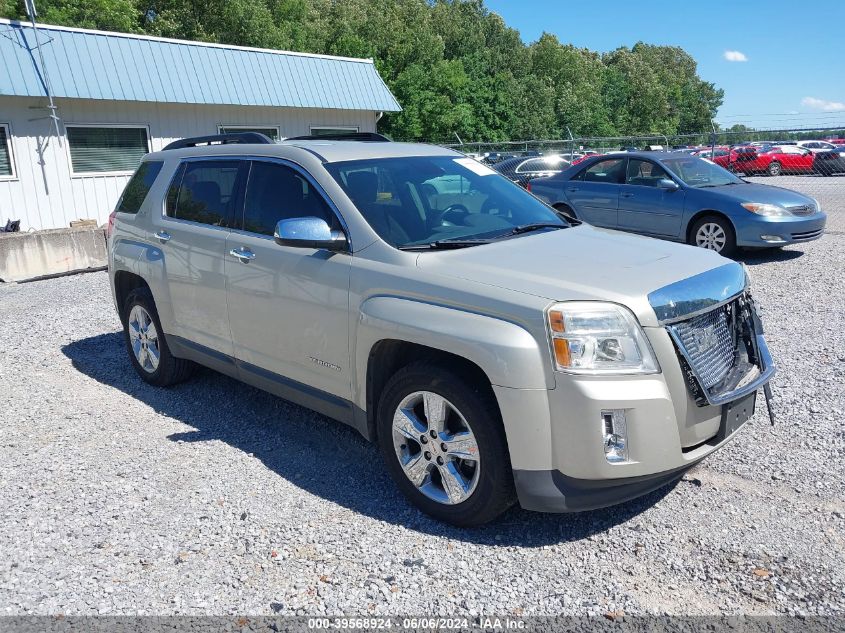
(579, 263)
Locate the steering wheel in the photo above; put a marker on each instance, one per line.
(452, 215)
(491, 207)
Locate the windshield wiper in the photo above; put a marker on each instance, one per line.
(444, 244)
(534, 226)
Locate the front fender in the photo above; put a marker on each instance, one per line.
(505, 351)
(513, 360)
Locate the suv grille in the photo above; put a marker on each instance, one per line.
(710, 343)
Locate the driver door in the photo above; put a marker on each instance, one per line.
(288, 306)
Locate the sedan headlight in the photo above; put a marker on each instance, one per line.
(761, 208)
(591, 337)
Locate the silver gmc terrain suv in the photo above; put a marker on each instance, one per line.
(493, 350)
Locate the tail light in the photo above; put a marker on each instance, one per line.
(110, 227)
(528, 185)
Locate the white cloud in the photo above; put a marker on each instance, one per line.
(735, 56)
(823, 104)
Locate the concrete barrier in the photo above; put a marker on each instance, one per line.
(26, 256)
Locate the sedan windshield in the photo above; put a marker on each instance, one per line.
(440, 201)
(700, 173)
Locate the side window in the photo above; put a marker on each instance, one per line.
(204, 192)
(138, 187)
(535, 164)
(644, 173)
(610, 171)
(276, 192)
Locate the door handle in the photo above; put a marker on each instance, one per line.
(572, 189)
(243, 254)
(162, 236)
(627, 195)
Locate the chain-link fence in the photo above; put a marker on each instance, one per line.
(808, 160)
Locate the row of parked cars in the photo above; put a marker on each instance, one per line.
(683, 195)
(804, 157)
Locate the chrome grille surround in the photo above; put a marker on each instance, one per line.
(709, 341)
(718, 336)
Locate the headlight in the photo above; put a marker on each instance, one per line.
(590, 337)
(842, 154)
(765, 209)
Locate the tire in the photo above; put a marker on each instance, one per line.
(774, 168)
(714, 233)
(485, 481)
(144, 337)
(566, 211)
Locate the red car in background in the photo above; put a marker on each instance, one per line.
(774, 161)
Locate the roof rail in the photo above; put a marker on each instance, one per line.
(242, 138)
(371, 137)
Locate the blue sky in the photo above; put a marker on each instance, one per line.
(793, 71)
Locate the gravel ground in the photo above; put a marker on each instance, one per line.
(215, 498)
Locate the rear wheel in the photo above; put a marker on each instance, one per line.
(775, 168)
(566, 211)
(714, 233)
(443, 442)
(147, 345)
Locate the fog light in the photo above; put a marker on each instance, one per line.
(772, 238)
(615, 435)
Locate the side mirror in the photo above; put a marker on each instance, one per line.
(309, 232)
(668, 184)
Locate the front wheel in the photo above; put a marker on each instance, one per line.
(444, 445)
(715, 234)
(775, 168)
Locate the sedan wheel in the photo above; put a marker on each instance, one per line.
(774, 168)
(143, 337)
(436, 447)
(711, 236)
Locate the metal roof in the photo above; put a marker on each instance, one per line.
(86, 64)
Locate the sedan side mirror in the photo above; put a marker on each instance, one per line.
(310, 232)
(668, 184)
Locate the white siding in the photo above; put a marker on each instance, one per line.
(45, 195)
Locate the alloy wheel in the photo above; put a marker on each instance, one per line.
(144, 339)
(436, 447)
(711, 236)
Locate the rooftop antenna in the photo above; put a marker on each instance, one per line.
(32, 13)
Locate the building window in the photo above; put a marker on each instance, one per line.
(7, 165)
(272, 132)
(100, 149)
(328, 131)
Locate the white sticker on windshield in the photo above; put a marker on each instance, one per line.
(474, 166)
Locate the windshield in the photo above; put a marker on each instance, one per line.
(420, 200)
(697, 172)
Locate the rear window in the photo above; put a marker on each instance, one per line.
(204, 192)
(138, 187)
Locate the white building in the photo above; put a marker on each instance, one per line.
(119, 96)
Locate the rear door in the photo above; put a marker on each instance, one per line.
(288, 306)
(646, 208)
(594, 192)
(192, 237)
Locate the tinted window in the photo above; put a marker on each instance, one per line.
(644, 173)
(138, 187)
(275, 192)
(204, 192)
(605, 171)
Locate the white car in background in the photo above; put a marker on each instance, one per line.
(816, 146)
